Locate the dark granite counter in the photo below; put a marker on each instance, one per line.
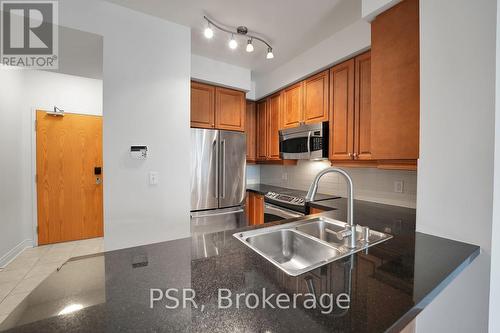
(388, 286)
(388, 218)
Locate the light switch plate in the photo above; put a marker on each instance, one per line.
(398, 186)
(153, 178)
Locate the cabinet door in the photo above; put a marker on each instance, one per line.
(250, 125)
(362, 109)
(292, 106)
(229, 109)
(255, 208)
(273, 122)
(202, 105)
(316, 98)
(261, 130)
(395, 82)
(342, 111)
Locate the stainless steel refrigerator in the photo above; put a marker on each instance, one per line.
(218, 180)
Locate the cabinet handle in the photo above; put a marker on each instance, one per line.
(356, 156)
(350, 155)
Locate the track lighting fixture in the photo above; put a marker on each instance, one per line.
(249, 45)
(209, 33)
(233, 44)
(270, 54)
(239, 31)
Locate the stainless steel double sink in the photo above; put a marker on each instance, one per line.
(301, 246)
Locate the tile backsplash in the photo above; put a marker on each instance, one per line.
(370, 184)
(253, 174)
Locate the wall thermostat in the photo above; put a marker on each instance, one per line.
(139, 152)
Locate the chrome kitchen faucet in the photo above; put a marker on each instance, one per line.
(350, 231)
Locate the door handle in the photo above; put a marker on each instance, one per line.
(216, 170)
(223, 152)
(309, 143)
(98, 173)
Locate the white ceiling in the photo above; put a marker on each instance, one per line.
(290, 26)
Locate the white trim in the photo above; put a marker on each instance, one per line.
(14, 252)
(34, 211)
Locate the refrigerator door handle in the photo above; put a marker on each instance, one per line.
(223, 152)
(216, 170)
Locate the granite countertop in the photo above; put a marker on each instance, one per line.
(388, 218)
(388, 286)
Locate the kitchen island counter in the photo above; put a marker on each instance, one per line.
(111, 292)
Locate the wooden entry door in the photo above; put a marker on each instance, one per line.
(69, 193)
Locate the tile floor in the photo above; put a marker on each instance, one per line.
(33, 265)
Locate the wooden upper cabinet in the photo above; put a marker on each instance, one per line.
(229, 109)
(316, 98)
(202, 105)
(342, 111)
(261, 130)
(293, 104)
(250, 129)
(273, 126)
(362, 107)
(395, 82)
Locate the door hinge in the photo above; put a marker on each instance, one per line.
(37, 228)
(36, 122)
(36, 178)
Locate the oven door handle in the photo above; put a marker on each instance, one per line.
(272, 209)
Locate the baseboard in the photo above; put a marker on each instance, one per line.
(14, 252)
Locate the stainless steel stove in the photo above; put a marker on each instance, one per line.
(289, 204)
(286, 198)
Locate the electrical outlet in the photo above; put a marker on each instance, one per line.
(398, 186)
(284, 176)
(153, 178)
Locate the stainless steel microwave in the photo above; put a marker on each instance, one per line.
(306, 142)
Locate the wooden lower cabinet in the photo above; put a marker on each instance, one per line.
(254, 208)
(314, 210)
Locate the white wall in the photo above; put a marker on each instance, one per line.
(342, 45)
(22, 92)
(220, 73)
(455, 177)
(494, 323)
(370, 184)
(371, 8)
(147, 69)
